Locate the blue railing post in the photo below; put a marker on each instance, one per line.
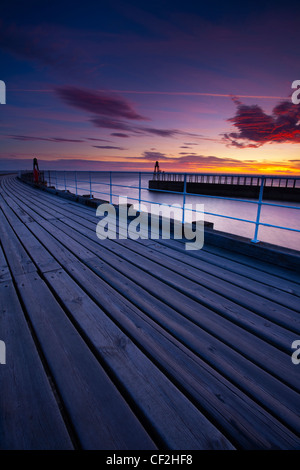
(91, 195)
(184, 196)
(110, 187)
(261, 190)
(140, 191)
(56, 179)
(65, 181)
(76, 183)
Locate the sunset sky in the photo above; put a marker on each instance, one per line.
(116, 85)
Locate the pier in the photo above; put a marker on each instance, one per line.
(139, 344)
(284, 188)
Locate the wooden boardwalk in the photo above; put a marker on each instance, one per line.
(125, 344)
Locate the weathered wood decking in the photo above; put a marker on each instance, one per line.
(126, 344)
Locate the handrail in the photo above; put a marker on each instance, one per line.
(63, 181)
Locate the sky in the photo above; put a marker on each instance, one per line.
(116, 85)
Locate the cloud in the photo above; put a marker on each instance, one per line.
(27, 138)
(111, 111)
(119, 124)
(160, 132)
(99, 103)
(108, 123)
(154, 156)
(108, 147)
(98, 140)
(119, 134)
(190, 158)
(256, 128)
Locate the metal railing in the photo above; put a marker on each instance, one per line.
(229, 179)
(63, 180)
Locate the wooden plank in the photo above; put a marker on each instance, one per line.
(230, 333)
(17, 258)
(182, 364)
(101, 417)
(4, 269)
(193, 268)
(42, 202)
(264, 327)
(34, 207)
(29, 414)
(194, 283)
(23, 216)
(265, 266)
(34, 247)
(121, 284)
(290, 286)
(47, 205)
(179, 424)
(27, 208)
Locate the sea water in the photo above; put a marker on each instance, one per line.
(109, 186)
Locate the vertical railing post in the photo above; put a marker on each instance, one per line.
(110, 187)
(140, 191)
(76, 192)
(183, 202)
(91, 195)
(65, 181)
(261, 190)
(49, 177)
(56, 187)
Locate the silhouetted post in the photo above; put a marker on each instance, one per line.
(261, 190)
(36, 171)
(65, 181)
(56, 179)
(156, 170)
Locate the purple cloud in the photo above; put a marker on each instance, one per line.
(107, 123)
(159, 132)
(154, 156)
(108, 147)
(119, 134)
(103, 104)
(98, 140)
(26, 138)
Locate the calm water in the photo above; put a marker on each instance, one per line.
(126, 184)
